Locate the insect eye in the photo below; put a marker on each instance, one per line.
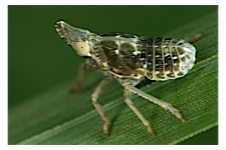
(135, 75)
(82, 48)
(138, 73)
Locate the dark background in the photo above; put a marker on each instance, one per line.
(38, 59)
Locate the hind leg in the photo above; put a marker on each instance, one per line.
(163, 104)
(194, 38)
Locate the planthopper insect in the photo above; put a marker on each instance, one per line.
(129, 59)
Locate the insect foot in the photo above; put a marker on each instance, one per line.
(174, 111)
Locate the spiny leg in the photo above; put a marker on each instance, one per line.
(194, 38)
(136, 111)
(165, 105)
(79, 79)
(98, 107)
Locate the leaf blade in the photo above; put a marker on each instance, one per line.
(86, 128)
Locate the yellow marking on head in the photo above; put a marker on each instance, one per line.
(82, 48)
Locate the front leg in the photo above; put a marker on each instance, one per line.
(87, 66)
(79, 78)
(98, 107)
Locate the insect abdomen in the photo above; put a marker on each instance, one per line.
(166, 58)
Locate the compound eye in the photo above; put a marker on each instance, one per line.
(82, 48)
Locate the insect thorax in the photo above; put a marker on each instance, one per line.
(130, 56)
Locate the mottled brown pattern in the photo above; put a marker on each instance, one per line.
(111, 45)
(115, 62)
(126, 52)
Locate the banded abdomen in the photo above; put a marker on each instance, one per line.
(166, 58)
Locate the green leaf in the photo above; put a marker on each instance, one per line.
(59, 117)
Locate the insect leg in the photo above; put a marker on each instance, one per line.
(98, 107)
(136, 111)
(165, 105)
(194, 38)
(79, 79)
